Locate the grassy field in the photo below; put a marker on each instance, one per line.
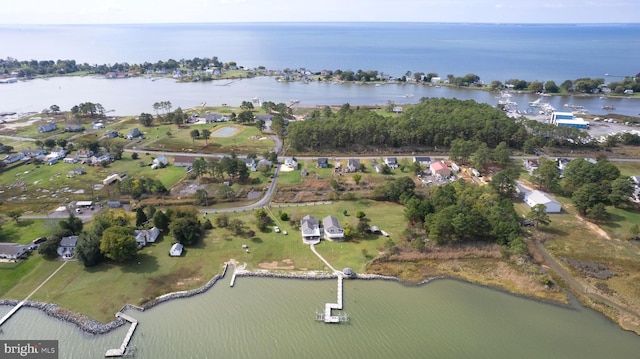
(36, 186)
(26, 229)
(100, 291)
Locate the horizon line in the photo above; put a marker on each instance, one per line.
(327, 22)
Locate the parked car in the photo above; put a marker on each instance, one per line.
(276, 229)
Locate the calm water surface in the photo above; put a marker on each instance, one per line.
(136, 95)
(274, 318)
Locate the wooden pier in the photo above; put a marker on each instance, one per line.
(12, 312)
(327, 316)
(118, 352)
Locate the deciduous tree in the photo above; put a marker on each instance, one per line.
(118, 244)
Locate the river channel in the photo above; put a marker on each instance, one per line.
(133, 96)
(275, 318)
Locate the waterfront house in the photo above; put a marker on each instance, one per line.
(310, 229)
(183, 161)
(67, 247)
(352, 165)
(397, 109)
(537, 197)
(391, 162)
(176, 250)
(47, 127)
(332, 229)
(323, 162)
(13, 251)
(440, 169)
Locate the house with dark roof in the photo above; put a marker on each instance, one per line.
(250, 163)
(352, 165)
(332, 229)
(67, 247)
(323, 162)
(74, 128)
(422, 160)
(310, 229)
(391, 162)
(133, 133)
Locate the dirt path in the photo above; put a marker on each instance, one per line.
(578, 287)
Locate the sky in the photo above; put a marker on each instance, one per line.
(220, 11)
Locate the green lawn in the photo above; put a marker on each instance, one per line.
(290, 177)
(628, 168)
(101, 291)
(26, 229)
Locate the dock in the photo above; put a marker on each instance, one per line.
(118, 352)
(12, 312)
(328, 316)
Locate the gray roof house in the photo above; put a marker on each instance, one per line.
(323, 162)
(352, 165)
(423, 160)
(74, 128)
(13, 157)
(250, 163)
(47, 127)
(391, 162)
(67, 247)
(183, 161)
(310, 229)
(144, 236)
(134, 133)
(12, 251)
(332, 229)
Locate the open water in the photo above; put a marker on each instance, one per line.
(492, 51)
(275, 318)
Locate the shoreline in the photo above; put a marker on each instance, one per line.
(93, 327)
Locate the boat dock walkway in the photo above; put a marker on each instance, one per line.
(19, 305)
(118, 352)
(8, 315)
(328, 318)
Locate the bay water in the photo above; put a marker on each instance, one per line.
(275, 318)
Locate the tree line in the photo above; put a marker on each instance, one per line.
(432, 122)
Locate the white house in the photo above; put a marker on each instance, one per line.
(536, 197)
(145, 236)
(12, 251)
(310, 229)
(67, 247)
(13, 157)
(291, 163)
(422, 160)
(176, 250)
